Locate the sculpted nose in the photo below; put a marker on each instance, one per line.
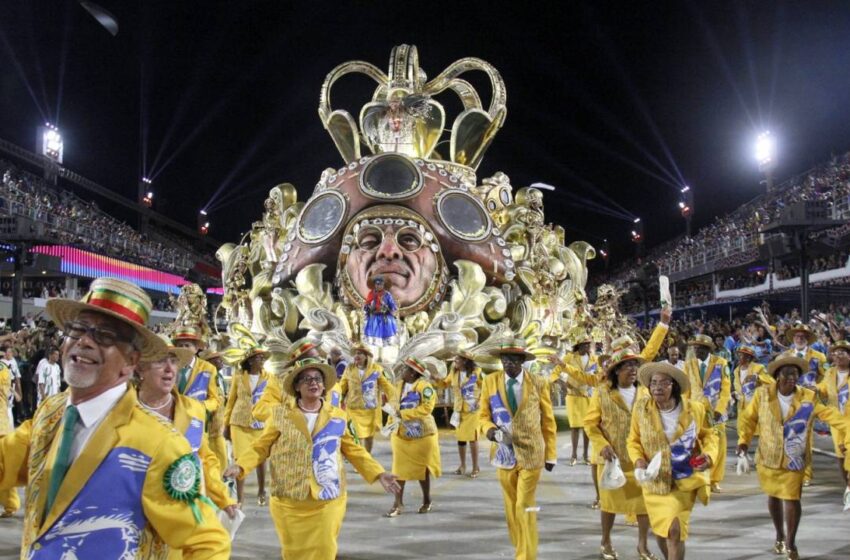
(389, 249)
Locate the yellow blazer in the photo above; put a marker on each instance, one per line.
(27, 457)
(350, 386)
(5, 393)
(692, 371)
(214, 398)
(419, 419)
(646, 438)
(765, 414)
(272, 396)
(239, 410)
(608, 421)
(828, 389)
(583, 378)
(655, 342)
(809, 355)
(286, 441)
(185, 410)
(452, 381)
(534, 429)
(762, 378)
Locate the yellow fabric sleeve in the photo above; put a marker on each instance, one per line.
(656, 341)
(270, 398)
(14, 452)
(748, 420)
(633, 443)
(360, 459)
(548, 425)
(260, 449)
(593, 423)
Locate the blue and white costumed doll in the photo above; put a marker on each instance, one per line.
(380, 328)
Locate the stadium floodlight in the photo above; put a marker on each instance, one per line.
(765, 149)
(147, 180)
(49, 142)
(685, 189)
(636, 220)
(147, 200)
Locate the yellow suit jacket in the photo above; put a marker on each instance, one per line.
(582, 378)
(239, 410)
(692, 371)
(143, 445)
(534, 443)
(608, 420)
(213, 398)
(350, 386)
(809, 355)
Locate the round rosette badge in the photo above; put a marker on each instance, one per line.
(183, 482)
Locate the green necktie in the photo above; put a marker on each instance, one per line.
(184, 378)
(511, 395)
(799, 354)
(702, 367)
(63, 455)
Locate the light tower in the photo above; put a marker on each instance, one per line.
(49, 143)
(686, 207)
(637, 237)
(766, 157)
(203, 222)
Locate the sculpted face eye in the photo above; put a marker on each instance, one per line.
(409, 239)
(369, 239)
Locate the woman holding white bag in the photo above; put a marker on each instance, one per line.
(675, 428)
(607, 425)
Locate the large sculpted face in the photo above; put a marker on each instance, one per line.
(398, 253)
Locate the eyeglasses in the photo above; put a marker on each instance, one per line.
(103, 337)
(407, 238)
(317, 379)
(662, 384)
(171, 360)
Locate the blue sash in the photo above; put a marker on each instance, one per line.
(681, 451)
(794, 433)
(504, 458)
(369, 388)
(326, 458)
(256, 394)
(199, 389)
(809, 378)
(335, 398)
(106, 519)
(412, 428)
(592, 370)
(843, 396)
(748, 387)
(194, 434)
(467, 392)
(711, 386)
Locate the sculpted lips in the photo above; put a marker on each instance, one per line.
(395, 268)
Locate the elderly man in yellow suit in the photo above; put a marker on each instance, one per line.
(516, 414)
(105, 477)
(708, 375)
(198, 379)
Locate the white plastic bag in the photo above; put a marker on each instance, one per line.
(388, 408)
(612, 475)
(650, 473)
(743, 466)
(231, 525)
(847, 498)
(455, 420)
(390, 427)
(503, 436)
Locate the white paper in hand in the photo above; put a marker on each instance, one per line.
(612, 475)
(847, 498)
(388, 409)
(455, 420)
(654, 467)
(231, 525)
(664, 289)
(743, 466)
(391, 426)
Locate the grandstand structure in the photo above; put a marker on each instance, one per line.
(740, 259)
(54, 238)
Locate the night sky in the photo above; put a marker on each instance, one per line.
(617, 104)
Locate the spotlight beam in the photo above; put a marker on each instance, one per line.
(742, 20)
(63, 57)
(39, 72)
(23, 75)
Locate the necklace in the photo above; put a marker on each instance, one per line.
(671, 409)
(167, 402)
(310, 410)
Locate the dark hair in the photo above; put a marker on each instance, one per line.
(676, 391)
(51, 350)
(613, 372)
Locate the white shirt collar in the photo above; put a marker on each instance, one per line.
(93, 410)
(802, 350)
(518, 378)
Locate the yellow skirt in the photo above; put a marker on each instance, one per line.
(412, 457)
(577, 410)
(625, 500)
(308, 529)
(366, 421)
(469, 427)
(664, 509)
(242, 439)
(780, 483)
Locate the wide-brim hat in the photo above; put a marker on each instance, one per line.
(418, 366)
(748, 350)
(791, 331)
(514, 346)
(119, 299)
(622, 343)
(371, 281)
(702, 340)
(622, 357)
(188, 332)
(646, 371)
(300, 347)
(360, 347)
(184, 355)
(210, 354)
(328, 373)
(583, 340)
(776, 364)
(841, 344)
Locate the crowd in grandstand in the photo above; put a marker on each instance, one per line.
(71, 221)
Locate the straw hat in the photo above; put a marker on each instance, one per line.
(746, 349)
(776, 364)
(514, 346)
(621, 357)
(119, 299)
(300, 347)
(841, 344)
(702, 340)
(416, 365)
(646, 372)
(188, 332)
(328, 373)
(184, 355)
(360, 347)
(810, 336)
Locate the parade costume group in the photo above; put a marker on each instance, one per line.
(343, 320)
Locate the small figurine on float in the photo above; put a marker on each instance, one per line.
(380, 327)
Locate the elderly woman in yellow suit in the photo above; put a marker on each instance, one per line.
(607, 424)
(671, 426)
(361, 387)
(241, 427)
(465, 380)
(416, 449)
(835, 390)
(305, 440)
(157, 392)
(784, 414)
(748, 376)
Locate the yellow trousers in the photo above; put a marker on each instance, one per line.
(10, 500)
(219, 448)
(718, 469)
(308, 529)
(519, 487)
